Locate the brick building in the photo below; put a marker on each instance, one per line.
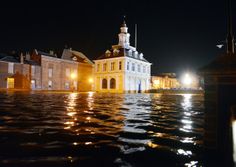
(45, 71)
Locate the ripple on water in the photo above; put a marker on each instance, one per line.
(103, 129)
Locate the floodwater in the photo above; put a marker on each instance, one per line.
(90, 129)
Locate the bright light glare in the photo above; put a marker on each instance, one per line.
(234, 139)
(187, 80)
(156, 82)
(73, 76)
(90, 80)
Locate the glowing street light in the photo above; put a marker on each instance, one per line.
(187, 79)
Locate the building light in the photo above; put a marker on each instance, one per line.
(90, 80)
(73, 75)
(156, 82)
(187, 79)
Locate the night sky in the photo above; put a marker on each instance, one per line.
(173, 35)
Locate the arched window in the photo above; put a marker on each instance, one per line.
(112, 83)
(104, 84)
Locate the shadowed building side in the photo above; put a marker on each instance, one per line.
(220, 95)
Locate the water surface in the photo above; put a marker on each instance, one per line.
(90, 129)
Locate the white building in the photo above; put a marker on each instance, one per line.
(122, 68)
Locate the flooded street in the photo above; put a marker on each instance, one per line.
(90, 129)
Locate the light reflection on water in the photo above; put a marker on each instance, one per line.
(100, 129)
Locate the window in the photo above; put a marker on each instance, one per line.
(67, 72)
(49, 84)
(120, 65)
(116, 52)
(67, 85)
(50, 72)
(104, 84)
(128, 66)
(130, 53)
(138, 67)
(144, 69)
(10, 83)
(108, 53)
(105, 67)
(98, 67)
(133, 67)
(112, 66)
(10, 68)
(33, 84)
(33, 70)
(112, 83)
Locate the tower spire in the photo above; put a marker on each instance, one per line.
(136, 36)
(124, 35)
(124, 23)
(230, 36)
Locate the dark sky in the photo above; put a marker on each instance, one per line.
(173, 35)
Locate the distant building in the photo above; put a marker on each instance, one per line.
(122, 68)
(165, 81)
(85, 77)
(14, 74)
(45, 71)
(56, 73)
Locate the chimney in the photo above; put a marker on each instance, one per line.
(51, 52)
(21, 58)
(27, 56)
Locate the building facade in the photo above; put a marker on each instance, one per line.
(122, 68)
(46, 71)
(165, 81)
(14, 74)
(85, 77)
(56, 73)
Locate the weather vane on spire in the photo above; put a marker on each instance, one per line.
(124, 23)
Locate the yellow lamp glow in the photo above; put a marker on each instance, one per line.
(156, 82)
(90, 80)
(73, 75)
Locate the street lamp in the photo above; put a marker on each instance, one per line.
(187, 79)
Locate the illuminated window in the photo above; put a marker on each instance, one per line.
(112, 83)
(50, 72)
(104, 84)
(120, 65)
(10, 83)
